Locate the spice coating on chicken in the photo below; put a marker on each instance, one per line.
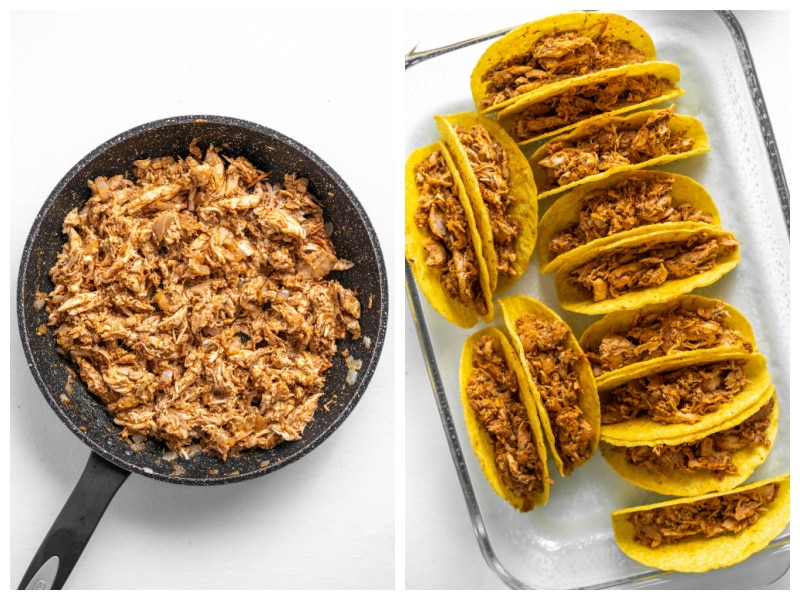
(195, 303)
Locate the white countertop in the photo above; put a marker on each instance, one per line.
(441, 548)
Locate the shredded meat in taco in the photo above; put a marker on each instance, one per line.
(680, 396)
(577, 103)
(660, 334)
(449, 245)
(713, 453)
(609, 145)
(493, 393)
(633, 202)
(621, 271)
(552, 364)
(489, 162)
(553, 57)
(710, 517)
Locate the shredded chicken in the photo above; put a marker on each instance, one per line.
(660, 334)
(618, 272)
(195, 303)
(489, 162)
(553, 365)
(718, 515)
(554, 57)
(493, 394)
(611, 144)
(635, 201)
(578, 103)
(449, 245)
(680, 396)
(712, 454)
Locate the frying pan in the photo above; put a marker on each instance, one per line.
(112, 459)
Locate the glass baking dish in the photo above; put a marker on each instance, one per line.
(569, 543)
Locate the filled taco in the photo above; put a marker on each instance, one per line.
(623, 204)
(635, 341)
(563, 106)
(502, 420)
(715, 461)
(653, 267)
(681, 399)
(500, 186)
(557, 49)
(560, 378)
(611, 144)
(443, 246)
(710, 531)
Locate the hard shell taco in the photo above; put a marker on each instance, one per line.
(502, 420)
(557, 49)
(560, 378)
(567, 104)
(636, 341)
(682, 399)
(620, 205)
(500, 186)
(612, 144)
(443, 246)
(718, 460)
(711, 531)
(638, 270)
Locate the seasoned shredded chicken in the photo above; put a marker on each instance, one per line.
(448, 242)
(680, 396)
(195, 303)
(556, 56)
(607, 145)
(553, 366)
(673, 330)
(718, 515)
(493, 394)
(633, 202)
(712, 454)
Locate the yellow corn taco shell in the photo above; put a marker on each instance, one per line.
(625, 204)
(565, 105)
(571, 424)
(507, 253)
(700, 554)
(613, 144)
(589, 285)
(643, 430)
(484, 443)
(639, 340)
(429, 278)
(584, 39)
(675, 482)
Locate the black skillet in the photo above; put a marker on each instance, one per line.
(112, 459)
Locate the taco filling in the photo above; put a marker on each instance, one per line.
(489, 161)
(610, 145)
(448, 245)
(706, 518)
(578, 103)
(554, 57)
(634, 202)
(713, 454)
(680, 396)
(493, 394)
(553, 367)
(649, 265)
(673, 330)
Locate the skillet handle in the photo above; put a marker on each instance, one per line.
(64, 543)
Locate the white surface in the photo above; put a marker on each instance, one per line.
(77, 79)
(441, 549)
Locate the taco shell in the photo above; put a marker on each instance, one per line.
(701, 554)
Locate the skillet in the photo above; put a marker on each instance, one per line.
(112, 459)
